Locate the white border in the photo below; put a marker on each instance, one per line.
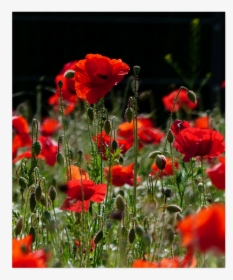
(6, 9)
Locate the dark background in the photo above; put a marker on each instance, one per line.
(44, 42)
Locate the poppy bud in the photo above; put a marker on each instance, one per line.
(23, 182)
(168, 58)
(200, 187)
(129, 115)
(90, 114)
(69, 74)
(52, 193)
(132, 235)
(33, 233)
(160, 161)
(154, 154)
(38, 192)
(60, 159)
(192, 96)
(179, 217)
(19, 226)
(43, 200)
(139, 230)
(32, 201)
(36, 147)
(167, 192)
(60, 84)
(136, 69)
(117, 215)
(170, 136)
(107, 127)
(173, 208)
(146, 239)
(98, 237)
(114, 145)
(120, 203)
(47, 216)
(121, 160)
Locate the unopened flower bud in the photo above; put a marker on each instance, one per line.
(107, 127)
(43, 200)
(60, 159)
(47, 216)
(192, 96)
(121, 160)
(136, 69)
(139, 230)
(33, 233)
(173, 208)
(69, 74)
(98, 237)
(32, 201)
(146, 239)
(129, 115)
(132, 235)
(117, 215)
(120, 203)
(38, 192)
(36, 147)
(60, 84)
(200, 187)
(52, 193)
(90, 114)
(167, 192)
(160, 161)
(19, 226)
(114, 145)
(179, 217)
(154, 154)
(23, 182)
(170, 136)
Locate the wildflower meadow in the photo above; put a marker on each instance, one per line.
(97, 186)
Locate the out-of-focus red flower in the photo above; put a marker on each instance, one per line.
(192, 142)
(27, 154)
(22, 257)
(77, 173)
(21, 136)
(68, 89)
(76, 189)
(49, 126)
(168, 170)
(217, 174)
(96, 75)
(204, 231)
(123, 144)
(202, 122)
(120, 175)
(179, 125)
(182, 101)
(223, 84)
(188, 261)
(92, 245)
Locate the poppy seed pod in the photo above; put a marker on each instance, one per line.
(60, 159)
(192, 96)
(129, 115)
(19, 226)
(120, 203)
(69, 74)
(98, 237)
(107, 127)
(32, 201)
(52, 193)
(139, 230)
(132, 235)
(170, 136)
(160, 161)
(136, 69)
(173, 208)
(38, 192)
(36, 148)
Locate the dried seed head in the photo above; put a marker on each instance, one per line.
(98, 237)
(120, 203)
(160, 161)
(52, 193)
(132, 235)
(36, 148)
(19, 226)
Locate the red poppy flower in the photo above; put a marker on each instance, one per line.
(22, 257)
(182, 101)
(96, 75)
(205, 230)
(123, 144)
(49, 126)
(74, 189)
(77, 173)
(179, 125)
(192, 142)
(217, 174)
(188, 261)
(120, 175)
(27, 154)
(68, 89)
(202, 122)
(168, 170)
(92, 245)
